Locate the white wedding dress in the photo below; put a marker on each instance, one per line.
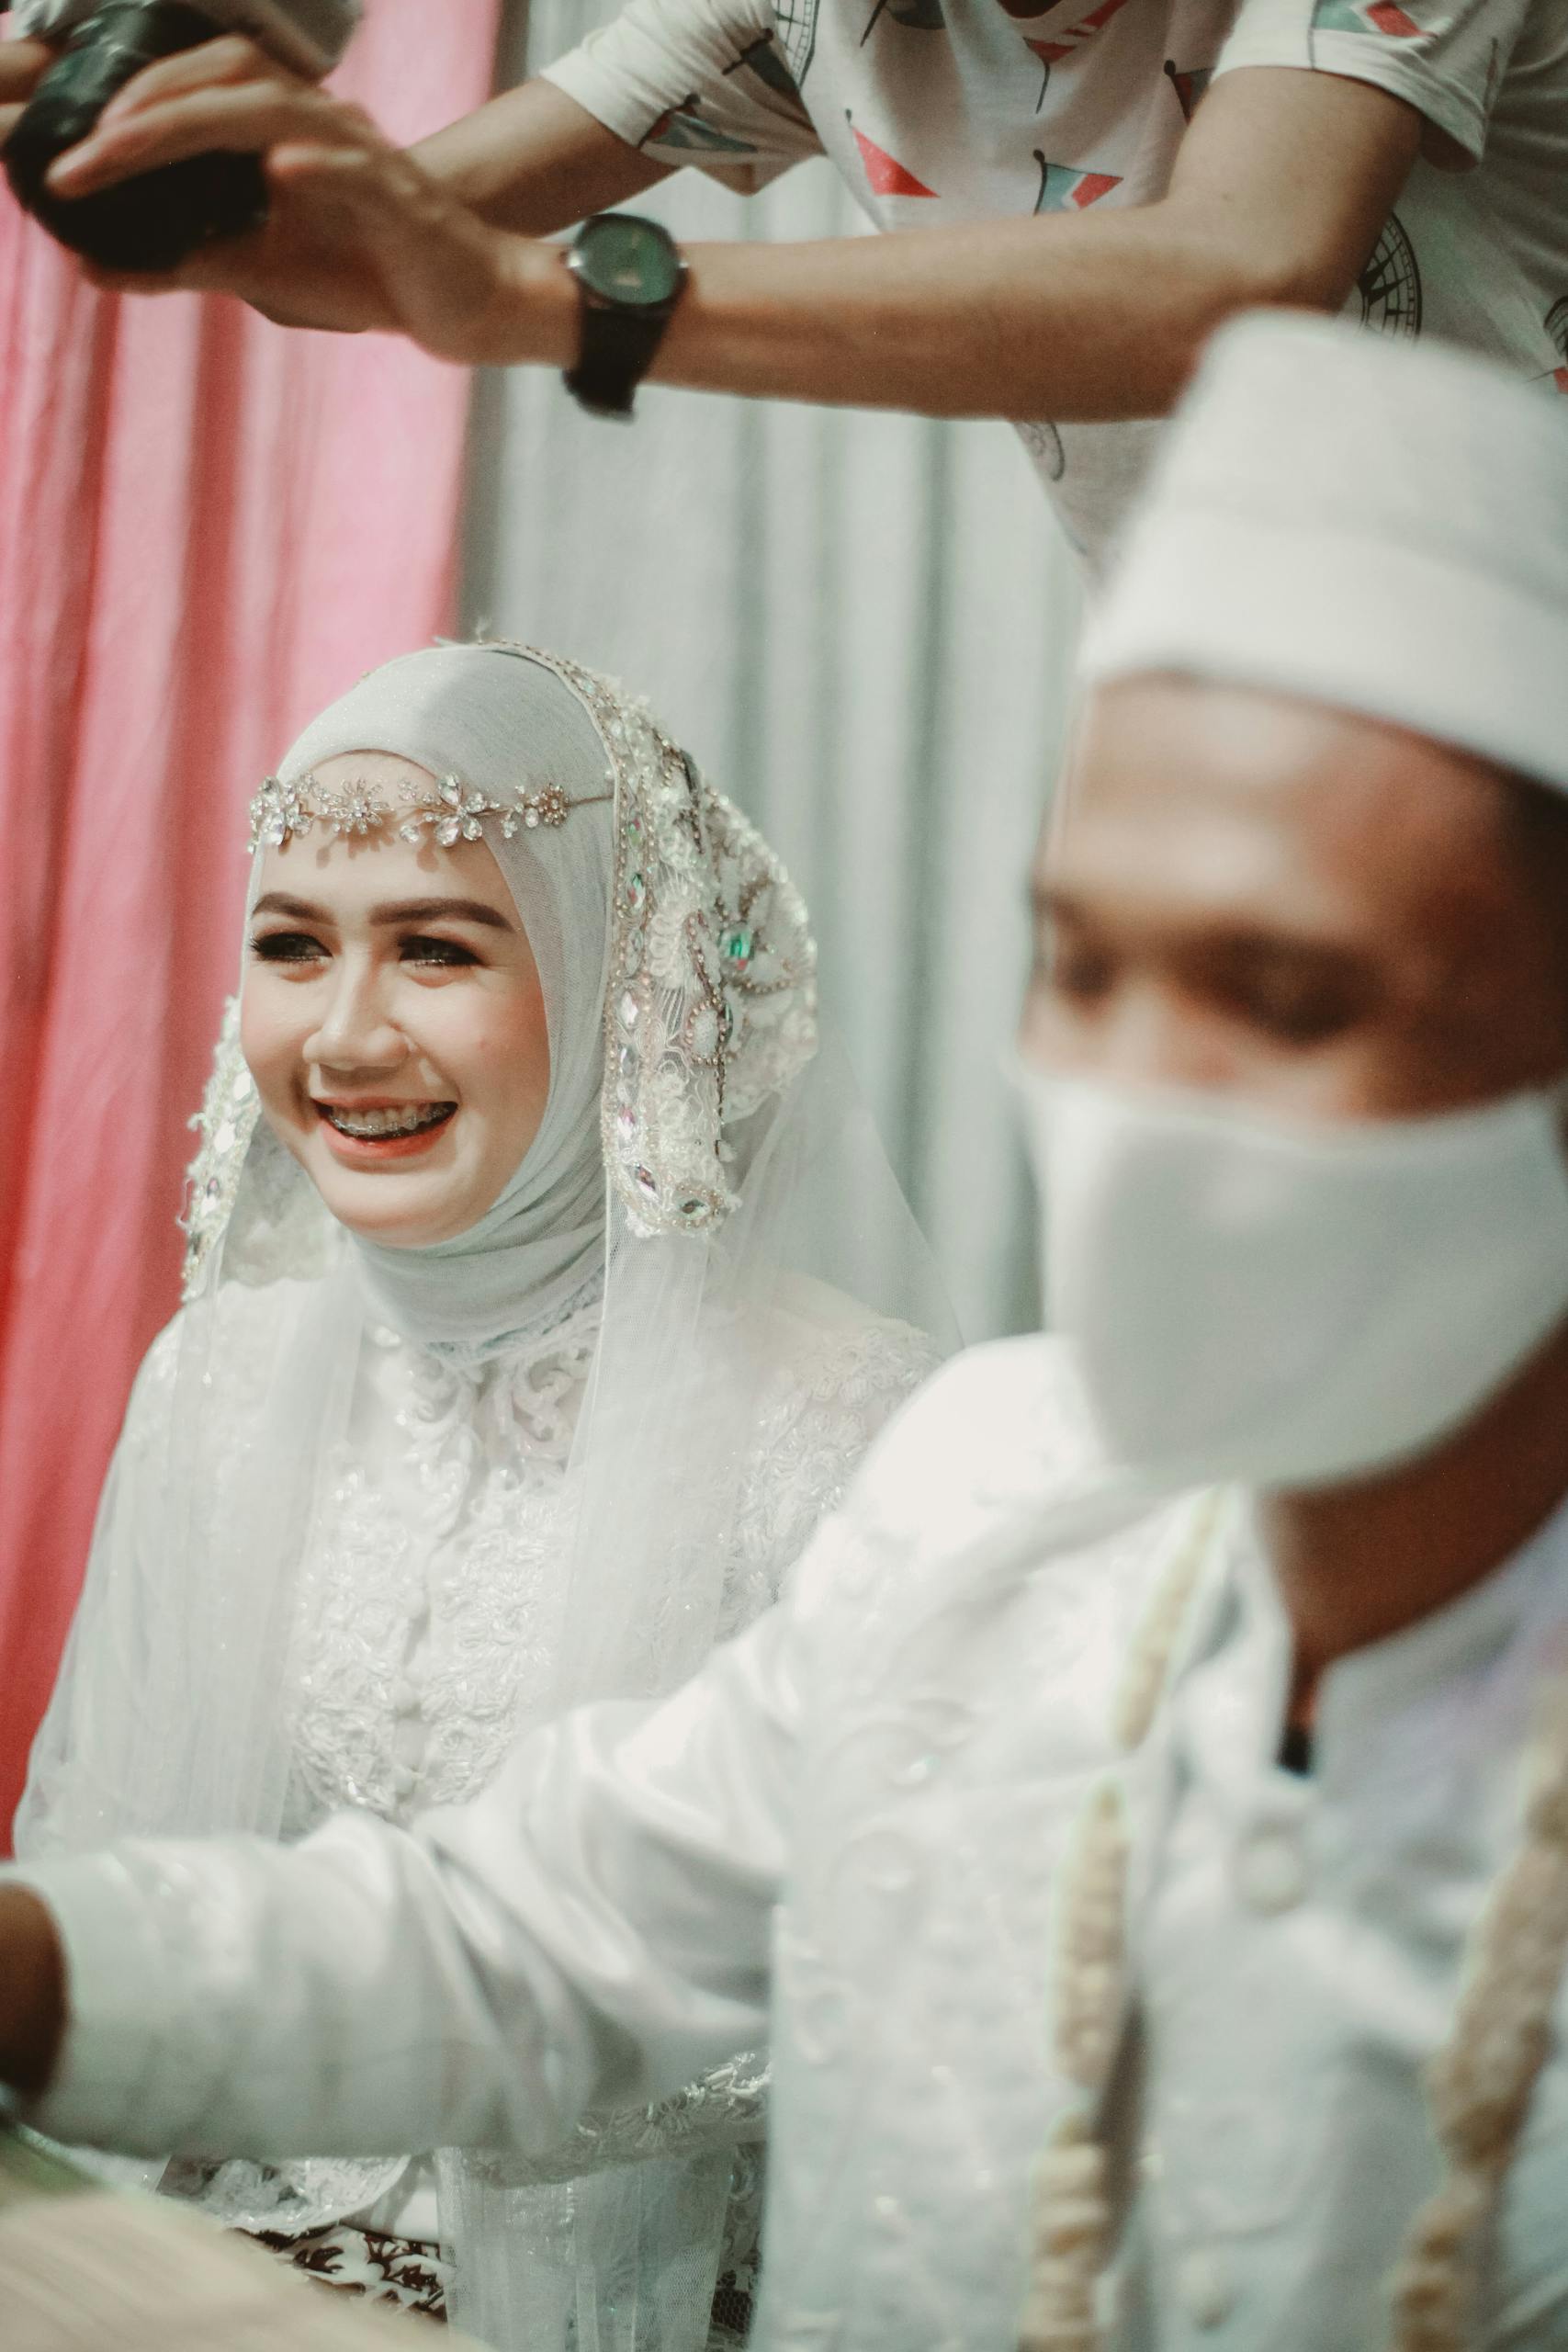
(428, 1616)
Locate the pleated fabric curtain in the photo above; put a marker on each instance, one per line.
(207, 527)
(863, 626)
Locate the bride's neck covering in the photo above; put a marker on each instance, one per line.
(506, 725)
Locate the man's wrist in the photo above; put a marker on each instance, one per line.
(532, 309)
(32, 1991)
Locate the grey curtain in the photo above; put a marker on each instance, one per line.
(862, 627)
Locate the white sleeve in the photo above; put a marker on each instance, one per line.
(1444, 57)
(593, 1930)
(700, 82)
(75, 1773)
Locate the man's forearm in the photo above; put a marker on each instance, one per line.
(1071, 318)
(535, 160)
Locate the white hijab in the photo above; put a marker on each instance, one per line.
(505, 724)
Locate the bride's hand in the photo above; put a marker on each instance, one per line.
(32, 1992)
(358, 235)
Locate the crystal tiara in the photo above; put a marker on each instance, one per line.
(447, 812)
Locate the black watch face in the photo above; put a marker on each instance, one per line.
(624, 259)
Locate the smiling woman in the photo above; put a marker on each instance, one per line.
(394, 1018)
(504, 1379)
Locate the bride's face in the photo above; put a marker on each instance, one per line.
(392, 1020)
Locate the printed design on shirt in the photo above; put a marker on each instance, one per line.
(884, 174)
(915, 15)
(1188, 86)
(795, 21)
(1064, 190)
(1055, 49)
(763, 59)
(683, 128)
(1384, 16)
(1390, 284)
(1044, 443)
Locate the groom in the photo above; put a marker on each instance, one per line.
(1160, 1760)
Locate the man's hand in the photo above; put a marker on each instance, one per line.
(359, 235)
(32, 1992)
(22, 66)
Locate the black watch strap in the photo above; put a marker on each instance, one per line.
(614, 355)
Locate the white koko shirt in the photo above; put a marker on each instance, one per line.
(936, 112)
(863, 1804)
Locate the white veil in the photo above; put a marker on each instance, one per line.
(696, 1150)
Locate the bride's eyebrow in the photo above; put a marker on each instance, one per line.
(392, 910)
(434, 909)
(278, 902)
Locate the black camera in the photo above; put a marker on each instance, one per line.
(154, 219)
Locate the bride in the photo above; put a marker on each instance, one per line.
(505, 1377)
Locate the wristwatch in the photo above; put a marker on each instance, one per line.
(629, 274)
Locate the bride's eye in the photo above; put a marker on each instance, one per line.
(447, 952)
(287, 947)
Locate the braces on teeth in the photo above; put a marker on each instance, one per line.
(391, 1120)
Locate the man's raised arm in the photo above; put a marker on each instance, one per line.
(1282, 185)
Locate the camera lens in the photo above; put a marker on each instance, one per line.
(152, 221)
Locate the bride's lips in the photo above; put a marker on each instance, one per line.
(375, 1150)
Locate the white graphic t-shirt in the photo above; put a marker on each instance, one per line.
(946, 110)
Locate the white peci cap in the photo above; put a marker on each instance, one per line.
(1382, 527)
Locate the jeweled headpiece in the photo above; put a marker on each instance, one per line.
(449, 812)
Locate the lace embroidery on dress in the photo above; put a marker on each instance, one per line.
(431, 1596)
(439, 1548)
(821, 1415)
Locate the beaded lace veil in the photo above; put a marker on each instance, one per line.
(696, 1148)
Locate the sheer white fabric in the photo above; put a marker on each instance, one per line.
(339, 1562)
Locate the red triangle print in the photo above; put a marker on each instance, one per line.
(1054, 51)
(1390, 18)
(1560, 378)
(885, 176)
(1092, 187)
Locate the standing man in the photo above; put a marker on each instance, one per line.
(1153, 1890)
(1084, 189)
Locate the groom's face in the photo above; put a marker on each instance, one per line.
(1321, 914)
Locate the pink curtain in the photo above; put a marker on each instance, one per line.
(207, 527)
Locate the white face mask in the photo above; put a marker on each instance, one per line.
(1291, 1305)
